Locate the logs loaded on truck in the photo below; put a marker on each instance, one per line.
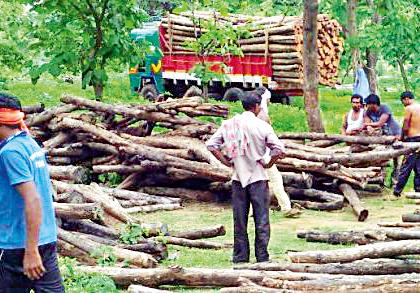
(272, 56)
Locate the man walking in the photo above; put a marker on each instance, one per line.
(410, 133)
(353, 120)
(28, 257)
(244, 139)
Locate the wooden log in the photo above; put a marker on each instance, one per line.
(182, 193)
(145, 166)
(375, 250)
(347, 237)
(143, 289)
(89, 211)
(381, 266)
(210, 232)
(339, 138)
(412, 195)
(402, 234)
(76, 174)
(321, 206)
(89, 227)
(354, 202)
(37, 108)
(135, 258)
(133, 195)
(61, 138)
(158, 250)
(296, 193)
(192, 243)
(69, 197)
(134, 202)
(47, 115)
(400, 225)
(94, 194)
(415, 217)
(154, 208)
(66, 249)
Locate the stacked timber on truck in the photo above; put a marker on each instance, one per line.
(272, 51)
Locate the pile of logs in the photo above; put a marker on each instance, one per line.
(279, 38)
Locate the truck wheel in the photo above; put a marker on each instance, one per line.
(149, 92)
(215, 96)
(233, 94)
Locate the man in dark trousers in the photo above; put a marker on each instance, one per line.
(244, 139)
(410, 133)
(28, 236)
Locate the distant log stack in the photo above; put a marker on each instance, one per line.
(278, 38)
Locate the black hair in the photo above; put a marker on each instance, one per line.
(373, 99)
(407, 94)
(10, 102)
(260, 90)
(356, 96)
(250, 100)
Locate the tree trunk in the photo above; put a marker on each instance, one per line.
(90, 211)
(352, 31)
(203, 244)
(99, 91)
(210, 232)
(335, 237)
(415, 217)
(376, 250)
(310, 64)
(382, 266)
(403, 74)
(354, 202)
(89, 227)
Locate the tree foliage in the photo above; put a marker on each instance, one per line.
(82, 37)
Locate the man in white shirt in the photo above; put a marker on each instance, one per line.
(353, 120)
(245, 139)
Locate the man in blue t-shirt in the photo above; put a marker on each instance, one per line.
(28, 233)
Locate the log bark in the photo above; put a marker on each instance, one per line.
(37, 108)
(338, 138)
(135, 258)
(133, 195)
(321, 206)
(402, 234)
(354, 202)
(145, 166)
(47, 115)
(400, 225)
(296, 193)
(76, 174)
(412, 195)
(182, 193)
(210, 232)
(382, 266)
(66, 249)
(415, 217)
(89, 227)
(192, 243)
(348, 237)
(61, 138)
(94, 194)
(154, 208)
(297, 179)
(88, 211)
(375, 250)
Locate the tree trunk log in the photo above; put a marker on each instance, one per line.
(382, 266)
(66, 249)
(400, 225)
(320, 195)
(375, 250)
(32, 109)
(183, 193)
(210, 232)
(89, 211)
(354, 202)
(413, 195)
(47, 115)
(348, 237)
(415, 217)
(135, 258)
(321, 206)
(192, 243)
(339, 138)
(76, 174)
(154, 208)
(89, 227)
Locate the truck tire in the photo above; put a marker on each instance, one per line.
(233, 94)
(149, 92)
(280, 98)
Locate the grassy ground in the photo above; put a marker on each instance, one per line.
(334, 103)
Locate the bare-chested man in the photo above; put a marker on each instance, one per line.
(411, 133)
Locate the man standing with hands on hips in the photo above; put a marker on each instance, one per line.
(28, 232)
(244, 139)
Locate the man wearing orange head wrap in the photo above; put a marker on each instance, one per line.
(28, 233)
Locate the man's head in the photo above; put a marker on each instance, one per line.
(252, 102)
(356, 102)
(11, 115)
(407, 98)
(373, 102)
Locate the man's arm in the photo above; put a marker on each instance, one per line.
(219, 155)
(407, 122)
(344, 126)
(381, 122)
(32, 262)
(214, 144)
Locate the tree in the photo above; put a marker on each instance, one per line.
(83, 37)
(310, 66)
(212, 37)
(398, 38)
(352, 31)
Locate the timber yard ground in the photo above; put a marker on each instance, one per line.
(334, 103)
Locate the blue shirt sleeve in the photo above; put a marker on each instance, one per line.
(17, 166)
